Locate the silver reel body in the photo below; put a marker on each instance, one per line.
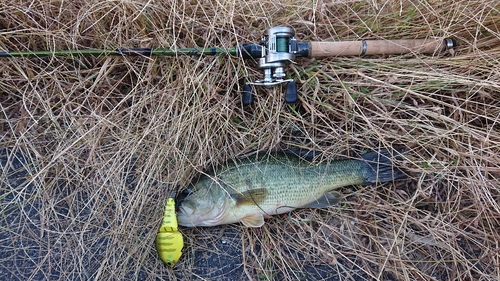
(278, 49)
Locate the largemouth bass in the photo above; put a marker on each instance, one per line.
(252, 189)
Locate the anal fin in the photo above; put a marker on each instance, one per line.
(328, 199)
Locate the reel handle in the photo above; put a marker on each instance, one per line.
(379, 47)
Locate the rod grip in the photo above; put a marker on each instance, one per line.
(378, 47)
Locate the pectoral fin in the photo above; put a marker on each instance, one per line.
(250, 197)
(253, 220)
(328, 199)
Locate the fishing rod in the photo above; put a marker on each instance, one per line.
(278, 49)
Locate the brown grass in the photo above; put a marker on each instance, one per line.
(95, 144)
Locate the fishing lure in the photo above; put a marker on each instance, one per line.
(169, 241)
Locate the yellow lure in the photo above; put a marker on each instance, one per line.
(169, 241)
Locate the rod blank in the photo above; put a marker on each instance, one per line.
(123, 52)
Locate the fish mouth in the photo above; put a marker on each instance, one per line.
(179, 199)
(187, 217)
(183, 218)
(182, 211)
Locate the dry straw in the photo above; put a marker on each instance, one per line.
(91, 146)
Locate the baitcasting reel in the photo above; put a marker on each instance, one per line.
(278, 49)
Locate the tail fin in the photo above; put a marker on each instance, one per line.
(379, 165)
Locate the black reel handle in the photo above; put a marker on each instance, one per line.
(247, 97)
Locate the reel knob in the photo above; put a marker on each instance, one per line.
(291, 92)
(247, 95)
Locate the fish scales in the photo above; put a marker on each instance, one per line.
(289, 181)
(248, 190)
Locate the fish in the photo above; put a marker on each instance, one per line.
(250, 189)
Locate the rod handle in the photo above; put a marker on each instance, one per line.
(379, 47)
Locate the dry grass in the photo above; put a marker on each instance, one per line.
(103, 140)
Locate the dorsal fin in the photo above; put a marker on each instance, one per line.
(306, 154)
(380, 167)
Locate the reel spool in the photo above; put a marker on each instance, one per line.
(278, 49)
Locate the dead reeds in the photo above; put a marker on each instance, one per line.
(91, 146)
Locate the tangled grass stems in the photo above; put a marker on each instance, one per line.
(91, 146)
